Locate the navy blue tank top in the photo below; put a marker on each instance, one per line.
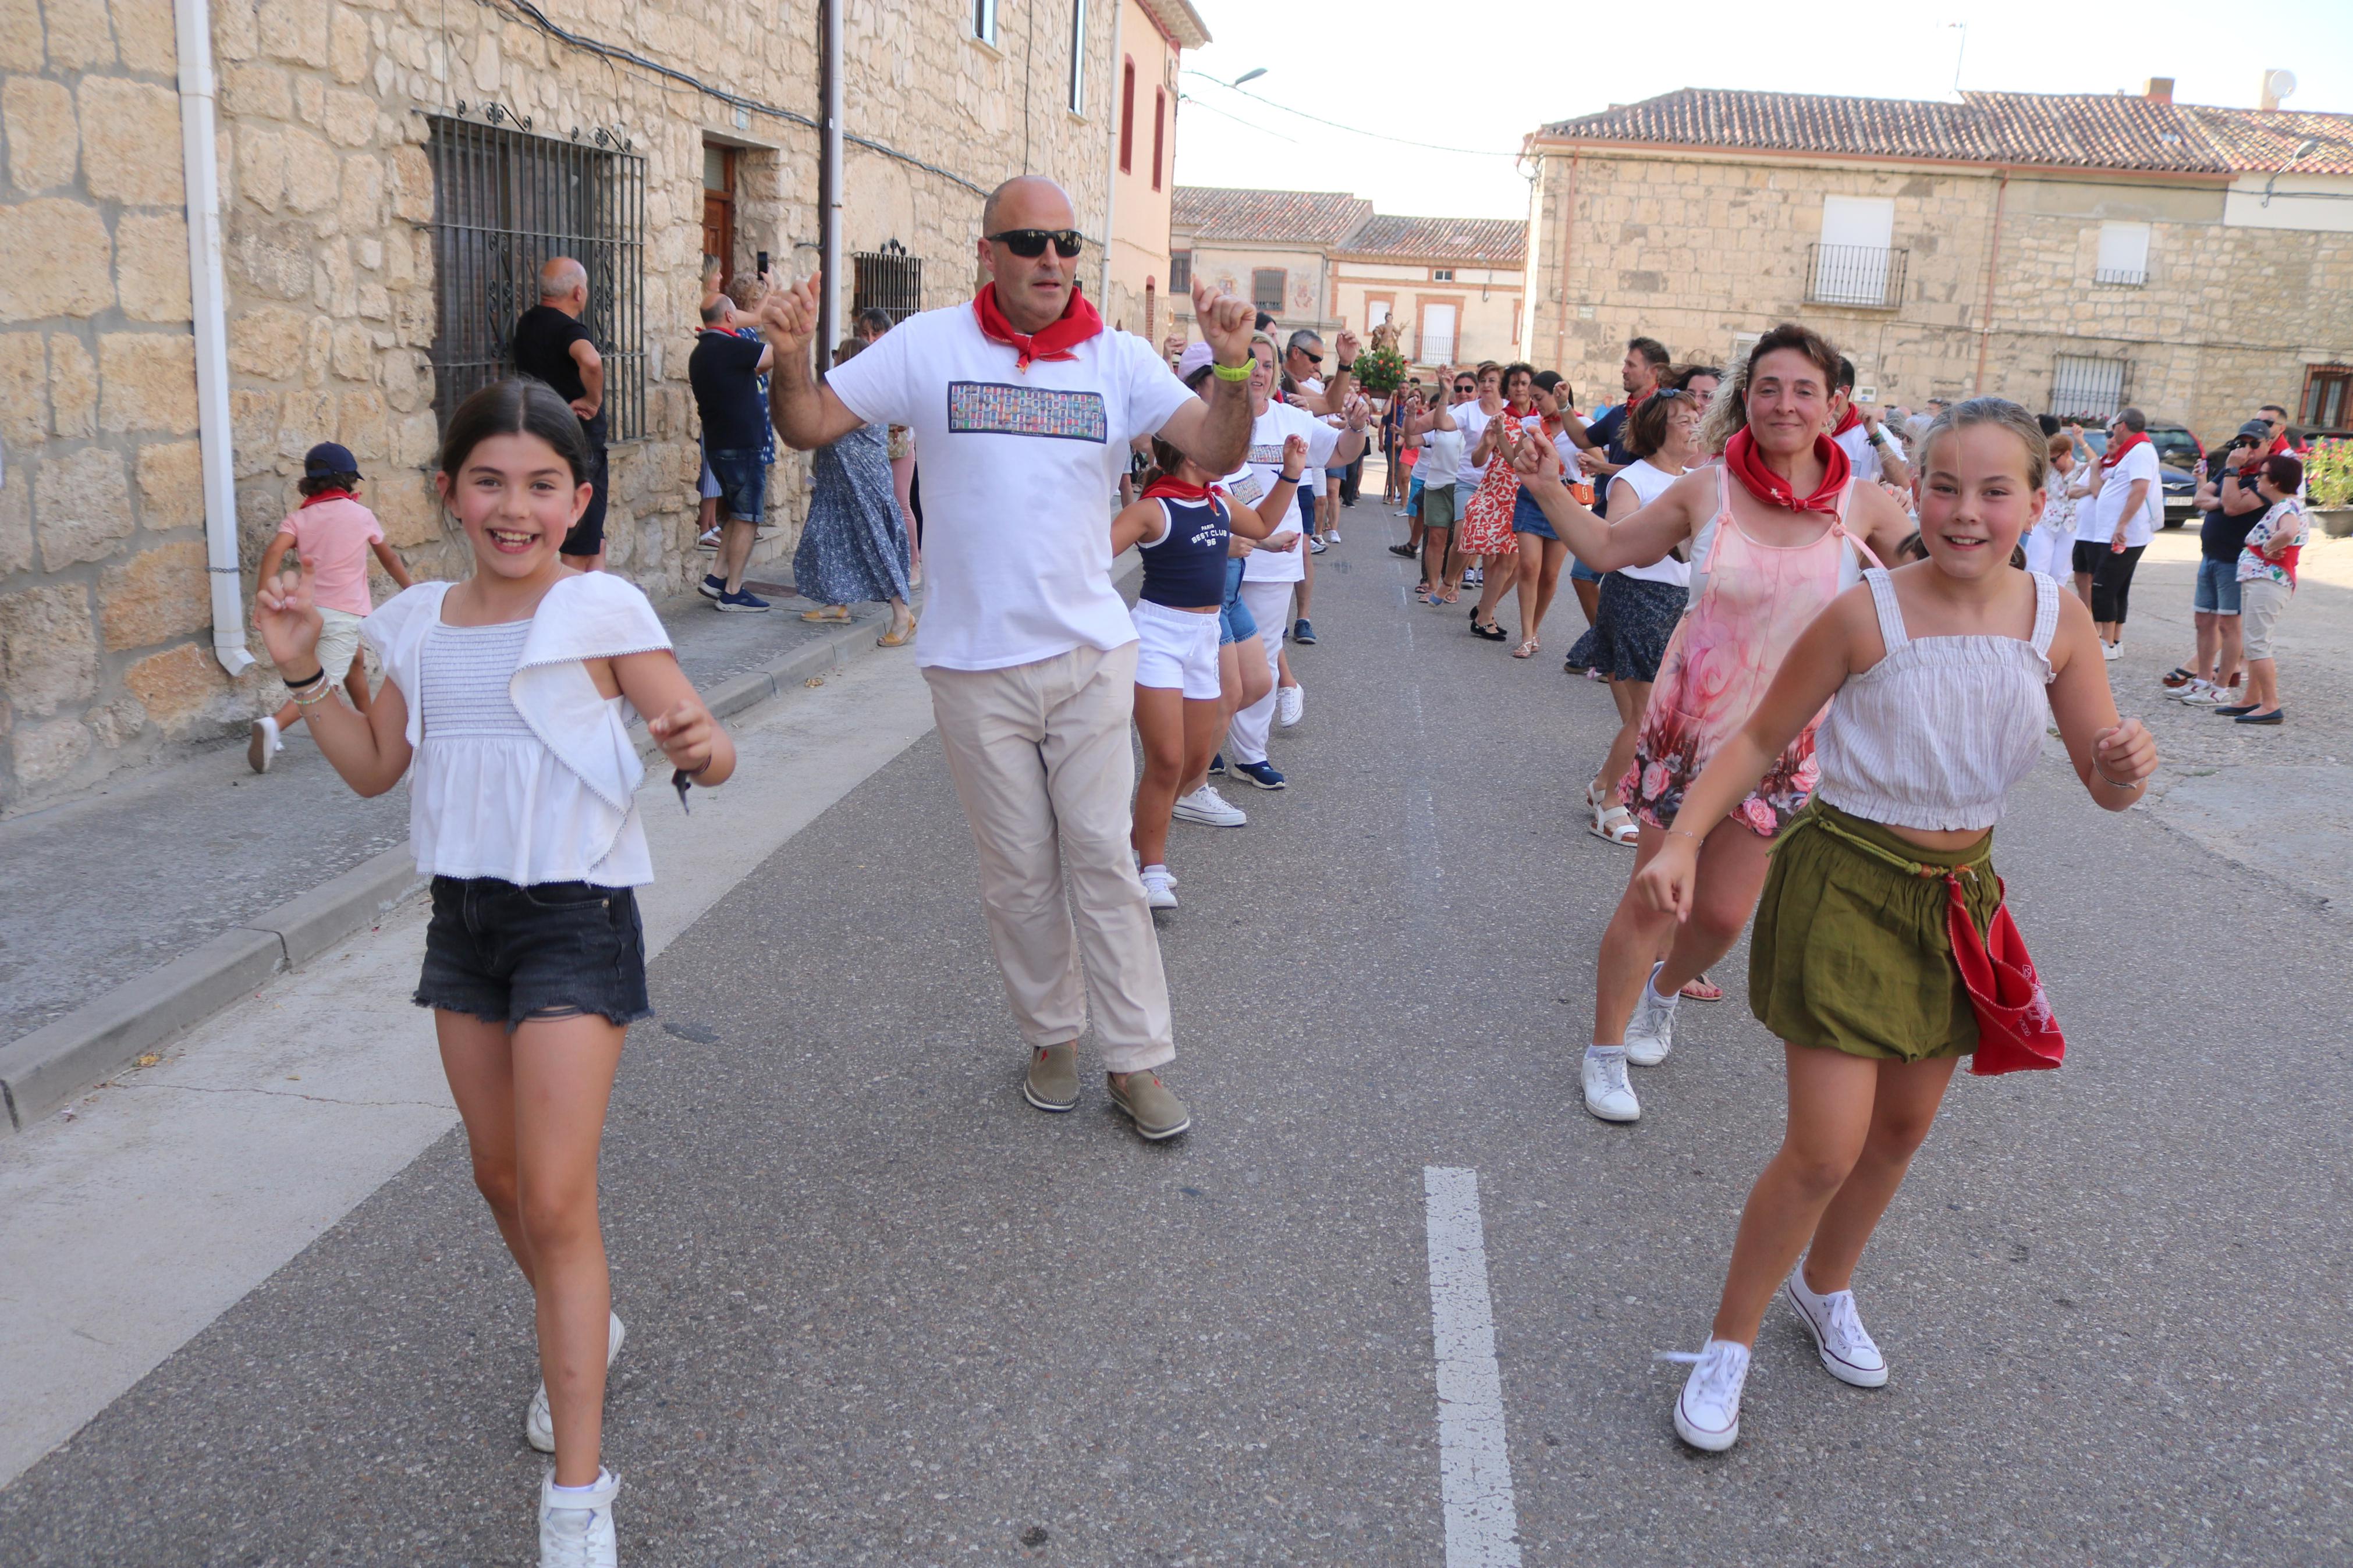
(1187, 569)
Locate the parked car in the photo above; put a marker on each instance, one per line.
(2178, 451)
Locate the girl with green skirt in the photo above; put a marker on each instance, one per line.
(1937, 674)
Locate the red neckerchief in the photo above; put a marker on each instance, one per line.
(2117, 450)
(1178, 490)
(1740, 457)
(1077, 324)
(326, 495)
(1847, 423)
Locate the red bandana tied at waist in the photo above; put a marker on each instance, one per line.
(1077, 324)
(2117, 450)
(1740, 457)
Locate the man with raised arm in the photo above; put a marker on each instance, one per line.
(1023, 406)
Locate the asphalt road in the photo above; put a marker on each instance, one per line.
(881, 1313)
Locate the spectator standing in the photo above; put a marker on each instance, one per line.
(553, 345)
(2267, 580)
(872, 323)
(724, 371)
(853, 548)
(2051, 543)
(2228, 496)
(2128, 509)
(1872, 453)
(334, 535)
(1023, 408)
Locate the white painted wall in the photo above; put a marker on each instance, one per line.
(2328, 207)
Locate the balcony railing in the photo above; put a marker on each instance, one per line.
(1869, 277)
(2120, 276)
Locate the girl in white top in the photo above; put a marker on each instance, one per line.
(2051, 543)
(1937, 674)
(508, 692)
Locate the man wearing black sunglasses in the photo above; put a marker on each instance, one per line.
(1023, 408)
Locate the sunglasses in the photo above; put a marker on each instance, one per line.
(1465, 386)
(1031, 243)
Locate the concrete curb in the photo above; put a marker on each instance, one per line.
(41, 1071)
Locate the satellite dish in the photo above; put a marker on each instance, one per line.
(2279, 83)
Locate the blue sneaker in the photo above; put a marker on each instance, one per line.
(1218, 765)
(1260, 774)
(742, 601)
(1301, 632)
(712, 587)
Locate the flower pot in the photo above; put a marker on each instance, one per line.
(2336, 521)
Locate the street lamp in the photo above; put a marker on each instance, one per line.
(1248, 76)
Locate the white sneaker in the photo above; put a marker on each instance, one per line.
(1707, 1412)
(1838, 1333)
(1207, 807)
(576, 1530)
(539, 1422)
(1333, 537)
(1607, 1093)
(2208, 695)
(1159, 888)
(1289, 703)
(2112, 651)
(264, 745)
(1651, 1032)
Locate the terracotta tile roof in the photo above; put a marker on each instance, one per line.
(2262, 140)
(1497, 242)
(1311, 218)
(2080, 130)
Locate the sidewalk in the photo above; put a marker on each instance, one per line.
(147, 869)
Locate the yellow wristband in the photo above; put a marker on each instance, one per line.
(1231, 372)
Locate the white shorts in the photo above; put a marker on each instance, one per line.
(1178, 649)
(339, 642)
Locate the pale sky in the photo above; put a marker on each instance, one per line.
(1479, 76)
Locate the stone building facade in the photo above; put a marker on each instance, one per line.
(2071, 252)
(1152, 38)
(339, 125)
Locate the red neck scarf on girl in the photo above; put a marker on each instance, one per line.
(2117, 450)
(1178, 490)
(1740, 457)
(1847, 423)
(1077, 324)
(324, 496)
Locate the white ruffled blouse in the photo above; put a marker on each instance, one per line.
(523, 770)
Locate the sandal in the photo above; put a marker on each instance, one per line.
(1702, 989)
(826, 613)
(1616, 825)
(896, 637)
(1525, 649)
(1448, 596)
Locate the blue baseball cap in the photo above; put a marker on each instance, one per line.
(329, 458)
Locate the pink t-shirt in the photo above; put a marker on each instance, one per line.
(334, 533)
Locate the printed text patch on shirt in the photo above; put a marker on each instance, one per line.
(993, 408)
(1267, 452)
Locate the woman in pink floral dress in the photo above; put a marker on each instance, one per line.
(1775, 532)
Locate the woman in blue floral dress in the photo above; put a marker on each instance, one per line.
(853, 548)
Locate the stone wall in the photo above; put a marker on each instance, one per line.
(324, 114)
(1695, 253)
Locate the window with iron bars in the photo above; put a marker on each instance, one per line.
(889, 281)
(1867, 277)
(504, 202)
(2086, 386)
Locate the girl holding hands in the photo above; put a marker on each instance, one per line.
(1936, 675)
(506, 691)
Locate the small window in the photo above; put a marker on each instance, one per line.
(1376, 312)
(2327, 398)
(1078, 56)
(984, 20)
(1159, 133)
(1180, 273)
(2082, 386)
(1442, 275)
(2124, 254)
(1266, 290)
(1127, 118)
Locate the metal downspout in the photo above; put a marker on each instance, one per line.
(828, 191)
(206, 291)
(1993, 256)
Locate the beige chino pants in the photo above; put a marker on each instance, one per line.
(1041, 761)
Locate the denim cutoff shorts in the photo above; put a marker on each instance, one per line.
(742, 479)
(2218, 588)
(1527, 517)
(508, 955)
(1235, 622)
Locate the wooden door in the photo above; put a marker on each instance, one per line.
(719, 208)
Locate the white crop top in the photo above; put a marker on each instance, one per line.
(1933, 735)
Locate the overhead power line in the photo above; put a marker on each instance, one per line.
(1351, 130)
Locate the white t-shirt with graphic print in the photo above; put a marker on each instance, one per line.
(1018, 469)
(1267, 432)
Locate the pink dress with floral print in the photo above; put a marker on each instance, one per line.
(1724, 653)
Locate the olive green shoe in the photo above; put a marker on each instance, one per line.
(1053, 1083)
(1150, 1104)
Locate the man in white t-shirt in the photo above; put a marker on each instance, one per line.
(2126, 510)
(1023, 406)
(1872, 453)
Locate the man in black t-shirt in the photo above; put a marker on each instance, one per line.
(724, 371)
(552, 345)
(2232, 511)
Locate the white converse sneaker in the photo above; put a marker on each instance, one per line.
(1159, 888)
(1289, 703)
(1651, 1033)
(1607, 1093)
(1707, 1412)
(264, 744)
(1838, 1333)
(539, 1422)
(576, 1528)
(1207, 807)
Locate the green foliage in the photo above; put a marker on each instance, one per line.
(1380, 371)
(2329, 473)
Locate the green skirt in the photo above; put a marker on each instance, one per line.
(1852, 952)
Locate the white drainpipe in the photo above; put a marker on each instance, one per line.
(205, 288)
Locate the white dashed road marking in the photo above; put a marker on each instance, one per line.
(1475, 1469)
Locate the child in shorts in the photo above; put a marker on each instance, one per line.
(334, 535)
